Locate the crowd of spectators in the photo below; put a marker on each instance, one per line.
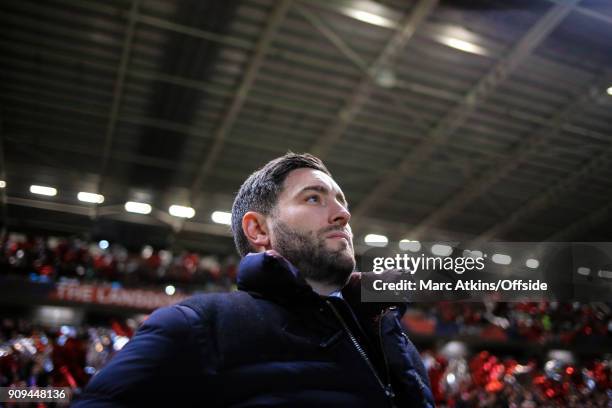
(33, 355)
(52, 259)
(68, 356)
(65, 356)
(486, 380)
(534, 322)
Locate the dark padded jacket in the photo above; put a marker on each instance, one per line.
(272, 343)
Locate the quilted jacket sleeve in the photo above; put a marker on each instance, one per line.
(152, 368)
(411, 380)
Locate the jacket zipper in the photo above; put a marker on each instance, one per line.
(387, 389)
(382, 347)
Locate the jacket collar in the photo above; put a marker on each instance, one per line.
(269, 275)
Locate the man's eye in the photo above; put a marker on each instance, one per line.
(312, 199)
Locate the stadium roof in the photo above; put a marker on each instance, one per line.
(439, 119)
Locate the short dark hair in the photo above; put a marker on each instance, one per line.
(261, 189)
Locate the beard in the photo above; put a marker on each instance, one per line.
(307, 252)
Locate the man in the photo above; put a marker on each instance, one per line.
(295, 333)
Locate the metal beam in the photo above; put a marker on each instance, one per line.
(218, 90)
(117, 211)
(228, 120)
(334, 38)
(588, 12)
(193, 32)
(237, 42)
(138, 159)
(118, 92)
(21, 171)
(514, 158)
(163, 24)
(418, 157)
(195, 131)
(397, 230)
(363, 90)
(594, 219)
(549, 197)
(385, 125)
(51, 206)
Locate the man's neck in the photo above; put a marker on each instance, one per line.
(323, 289)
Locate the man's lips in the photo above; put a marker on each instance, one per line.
(339, 234)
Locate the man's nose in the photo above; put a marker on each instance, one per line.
(340, 214)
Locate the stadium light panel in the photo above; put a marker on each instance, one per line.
(43, 190)
(90, 197)
(465, 46)
(370, 18)
(441, 250)
(181, 211)
(376, 240)
(501, 259)
(221, 217)
(138, 208)
(408, 245)
(583, 270)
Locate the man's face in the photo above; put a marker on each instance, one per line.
(309, 227)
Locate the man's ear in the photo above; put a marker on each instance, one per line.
(256, 230)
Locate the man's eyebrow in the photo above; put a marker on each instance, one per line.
(323, 190)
